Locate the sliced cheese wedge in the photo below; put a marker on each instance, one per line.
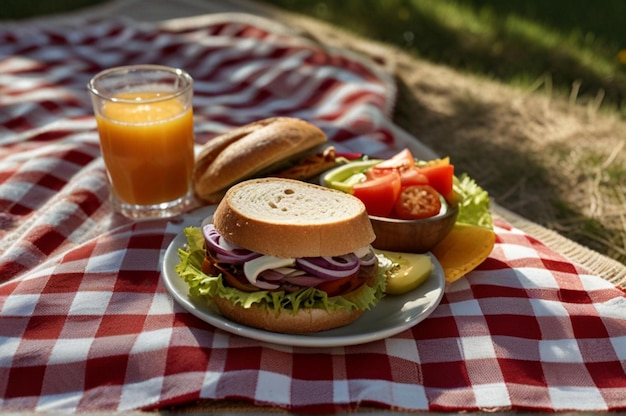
(463, 249)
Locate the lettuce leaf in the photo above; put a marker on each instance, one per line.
(206, 287)
(474, 205)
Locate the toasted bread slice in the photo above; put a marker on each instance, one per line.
(289, 218)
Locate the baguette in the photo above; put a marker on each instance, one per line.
(251, 150)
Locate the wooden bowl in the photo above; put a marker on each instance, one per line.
(413, 236)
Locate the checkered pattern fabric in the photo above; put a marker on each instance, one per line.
(87, 325)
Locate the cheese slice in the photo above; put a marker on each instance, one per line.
(253, 268)
(463, 249)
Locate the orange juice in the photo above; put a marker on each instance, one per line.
(147, 148)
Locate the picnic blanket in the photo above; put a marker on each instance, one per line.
(86, 323)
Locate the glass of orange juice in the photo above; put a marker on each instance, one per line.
(145, 122)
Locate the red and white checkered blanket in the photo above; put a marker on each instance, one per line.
(86, 323)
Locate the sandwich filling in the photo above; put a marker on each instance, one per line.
(250, 271)
(212, 266)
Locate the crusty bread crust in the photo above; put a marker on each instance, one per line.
(304, 321)
(289, 218)
(247, 150)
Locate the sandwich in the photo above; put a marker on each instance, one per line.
(285, 256)
(279, 146)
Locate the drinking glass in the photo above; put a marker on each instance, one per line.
(145, 122)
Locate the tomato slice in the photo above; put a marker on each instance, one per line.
(238, 282)
(402, 160)
(379, 192)
(339, 286)
(417, 202)
(440, 177)
(412, 176)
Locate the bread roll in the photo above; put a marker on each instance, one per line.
(306, 320)
(247, 151)
(289, 218)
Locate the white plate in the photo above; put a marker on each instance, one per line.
(392, 315)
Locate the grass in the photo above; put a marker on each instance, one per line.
(578, 44)
(21, 9)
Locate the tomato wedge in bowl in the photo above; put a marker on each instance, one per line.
(411, 207)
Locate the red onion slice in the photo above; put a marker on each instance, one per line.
(266, 285)
(330, 268)
(224, 251)
(345, 262)
(368, 259)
